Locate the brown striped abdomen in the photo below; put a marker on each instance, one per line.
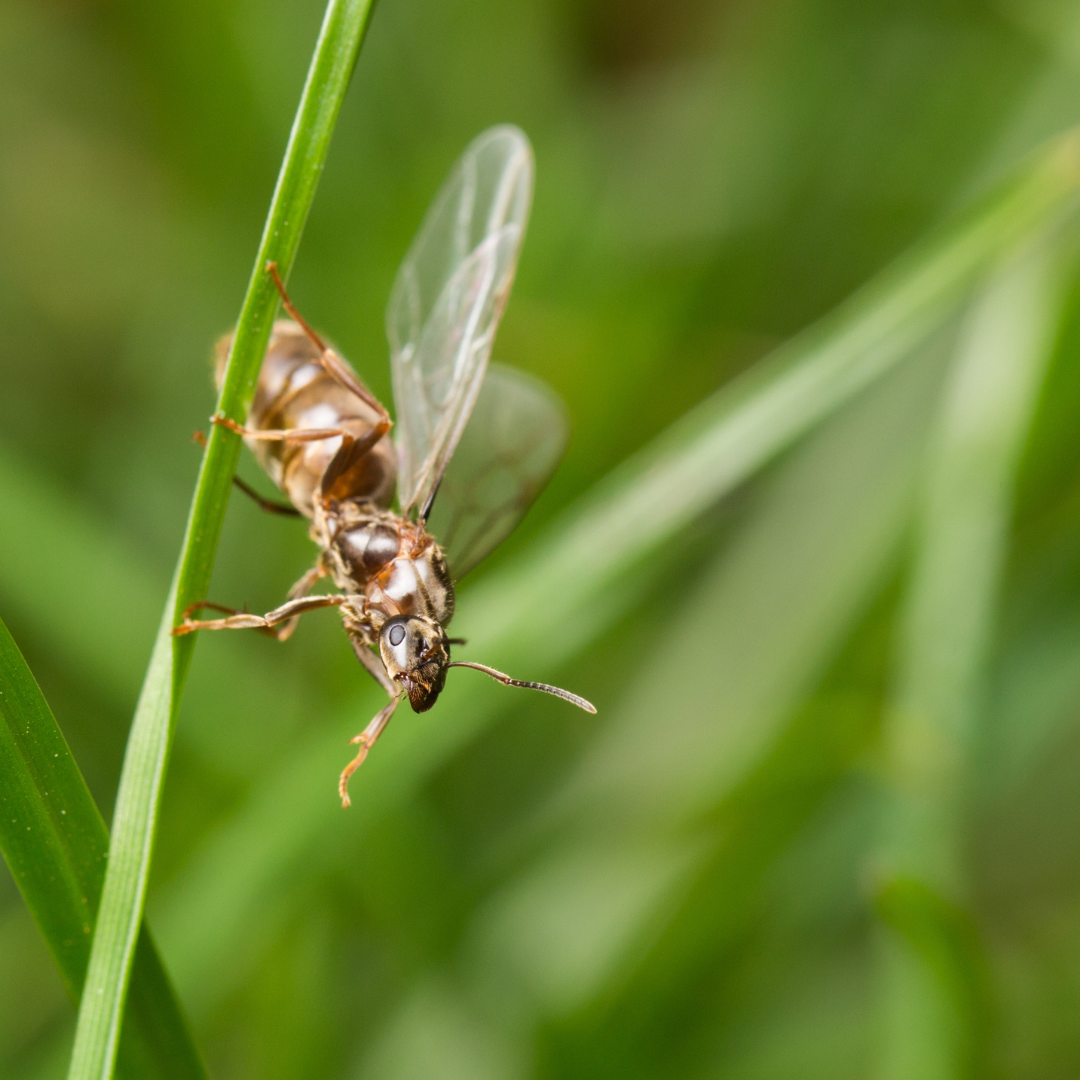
(294, 391)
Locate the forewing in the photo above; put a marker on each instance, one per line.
(447, 300)
(509, 449)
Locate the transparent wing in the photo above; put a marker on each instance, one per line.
(514, 440)
(447, 300)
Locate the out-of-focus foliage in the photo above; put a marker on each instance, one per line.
(713, 877)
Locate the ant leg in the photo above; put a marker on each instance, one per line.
(366, 740)
(374, 666)
(278, 434)
(341, 373)
(268, 505)
(332, 364)
(298, 591)
(290, 307)
(349, 453)
(244, 621)
(353, 447)
(188, 624)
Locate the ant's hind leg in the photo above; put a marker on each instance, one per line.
(366, 740)
(332, 364)
(269, 505)
(244, 621)
(296, 435)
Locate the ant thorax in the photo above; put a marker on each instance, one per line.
(389, 561)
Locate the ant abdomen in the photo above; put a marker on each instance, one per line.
(296, 391)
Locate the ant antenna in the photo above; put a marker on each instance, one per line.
(498, 676)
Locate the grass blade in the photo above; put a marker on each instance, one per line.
(935, 996)
(145, 760)
(55, 841)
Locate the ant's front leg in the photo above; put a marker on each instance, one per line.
(366, 740)
(374, 665)
(288, 611)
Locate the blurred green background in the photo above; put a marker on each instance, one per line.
(689, 884)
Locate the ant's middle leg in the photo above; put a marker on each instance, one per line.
(300, 589)
(288, 611)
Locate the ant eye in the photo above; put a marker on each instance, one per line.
(397, 634)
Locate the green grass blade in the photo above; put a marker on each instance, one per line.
(738, 429)
(44, 584)
(541, 611)
(55, 841)
(935, 995)
(145, 761)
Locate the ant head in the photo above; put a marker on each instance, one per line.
(415, 654)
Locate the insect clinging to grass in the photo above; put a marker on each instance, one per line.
(474, 443)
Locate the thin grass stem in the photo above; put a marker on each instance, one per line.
(146, 757)
(54, 841)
